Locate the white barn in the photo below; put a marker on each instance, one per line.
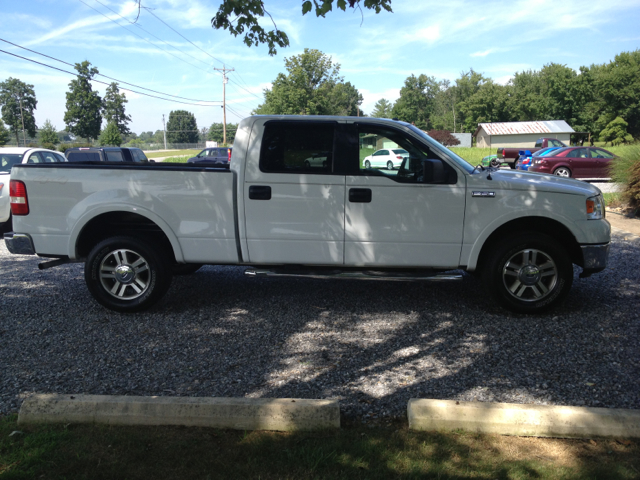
(520, 134)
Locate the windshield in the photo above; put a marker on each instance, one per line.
(458, 160)
(8, 160)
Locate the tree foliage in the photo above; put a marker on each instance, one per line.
(18, 101)
(110, 136)
(444, 137)
(48, 133)
(616, 132)
(4, 134)
(382, 109)
(113, 108)
(242, 17)
(417, 101)
(83, 117)
(215, 133)
(182, 127)
(312, 86)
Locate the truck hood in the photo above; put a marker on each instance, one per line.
(520, 180)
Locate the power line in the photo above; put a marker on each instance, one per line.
(105, 76)
(104, 83)
(140, 36)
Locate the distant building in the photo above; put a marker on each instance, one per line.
(520, 134)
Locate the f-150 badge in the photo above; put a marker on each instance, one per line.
(483, 194)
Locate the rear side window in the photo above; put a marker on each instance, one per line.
(555, 143)
(114, 156)
(302, 147)
(538, 143)
(84, 157)
(9, 160)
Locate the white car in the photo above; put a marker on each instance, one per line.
(386, 157)
(9, 157)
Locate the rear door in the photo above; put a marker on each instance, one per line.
(294, 211)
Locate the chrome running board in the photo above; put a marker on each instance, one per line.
(357, 275)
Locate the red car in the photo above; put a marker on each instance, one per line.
(576, 162)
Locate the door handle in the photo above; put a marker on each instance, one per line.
(360, 195)
(259, 192)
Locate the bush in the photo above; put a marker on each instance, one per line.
(49, 146)
(616, 132)
(625, 169)
(444, 137)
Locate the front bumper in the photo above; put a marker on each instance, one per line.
(594, 258)
(19, 243)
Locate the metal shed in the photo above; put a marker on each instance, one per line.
(520, 134)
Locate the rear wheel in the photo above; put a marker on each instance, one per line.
(126, 274)
(528, 272)
(562, 172)
(367, 164)
(494, 163)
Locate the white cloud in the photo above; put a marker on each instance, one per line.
(483, 54)
(431, 34)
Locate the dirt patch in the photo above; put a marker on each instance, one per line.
(624, 223)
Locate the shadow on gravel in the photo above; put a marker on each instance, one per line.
(374, 345)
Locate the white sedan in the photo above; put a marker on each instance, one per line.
(8, 158)
(386, 157)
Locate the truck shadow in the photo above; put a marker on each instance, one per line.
(373, 345)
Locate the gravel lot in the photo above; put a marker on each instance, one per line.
(373, 345)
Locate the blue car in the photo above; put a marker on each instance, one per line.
(526, 157)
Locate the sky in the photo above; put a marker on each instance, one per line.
(173, 49)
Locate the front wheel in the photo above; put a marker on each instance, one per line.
(528, 273)
(126, 274)
(389, 165)
(494, 163)
(367, 164)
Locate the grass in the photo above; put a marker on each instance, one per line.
(473, 155)
(105, 452)
(189, 153)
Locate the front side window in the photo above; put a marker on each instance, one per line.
(138, 155)
(49, 157)
(599, 153)
(402, 158)
(301, 147)
(555, 143)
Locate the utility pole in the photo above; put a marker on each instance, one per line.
(24, 138)
(225, 80)
(164, 130)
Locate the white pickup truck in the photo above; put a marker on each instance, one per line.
(279, 213)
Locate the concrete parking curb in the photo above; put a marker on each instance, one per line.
(283, 414)
(523, 420)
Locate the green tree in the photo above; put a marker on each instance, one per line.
(616, 132)
(18, 101)
(48, 133)
(619, 87)
(312, 86)
(113, 108)
(417, 101)
(83, 117)
(488, 104)
(182, 127)
(110, 136)
(4, 134)
(216, 133)
(243, 17)
(382, 109)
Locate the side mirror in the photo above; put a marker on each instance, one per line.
(433, 171)
(152, 161)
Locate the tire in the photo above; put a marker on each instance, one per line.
(513, 165)
(494, 163)
(307, 165)
(367, 164)
(143, 277)
(7, 226)
(185, 268)
(562, 172)
(528, 273)
(389, 165)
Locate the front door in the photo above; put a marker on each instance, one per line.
(581, 163)
(294, 205)
(393, 218)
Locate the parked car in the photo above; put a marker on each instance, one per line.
(386, 157)
(510, 155)
(8, 158)
(526, 157)
(576, 162)
(318, 160)
(106, 154)
(217, 155)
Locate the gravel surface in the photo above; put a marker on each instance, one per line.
(372, 345)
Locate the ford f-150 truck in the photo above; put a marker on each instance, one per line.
(134, 225)
(511, 155)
